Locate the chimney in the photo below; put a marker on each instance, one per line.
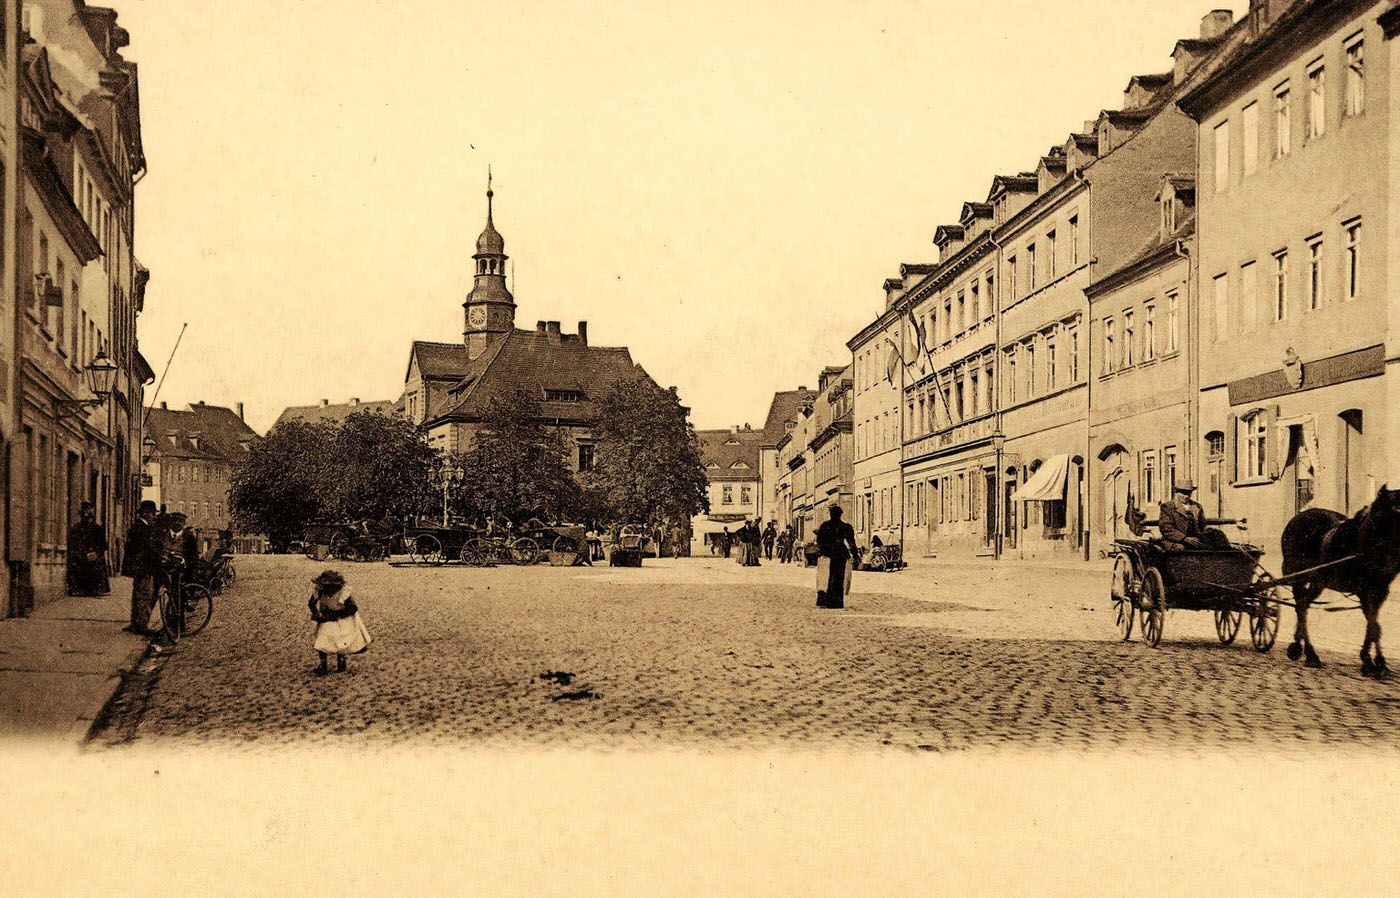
(1215, 23)
(325, 402)
(164, 405)
(240, 411)
(539, 327)
(734, 428)
(583, 332)
(354, 400)
(552, 327)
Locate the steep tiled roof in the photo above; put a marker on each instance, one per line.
(722, 450)
(439, 359)
(335, 414)
(784, 408)
(199, 431)
(534, 361)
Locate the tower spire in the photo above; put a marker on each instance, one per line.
(489, 193)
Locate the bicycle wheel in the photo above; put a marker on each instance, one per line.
(171, 615)
(198, 609)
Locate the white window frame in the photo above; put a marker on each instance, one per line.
(1317, 100)
(1351, 260)
(1249, 295)
(1110, 339)
(1149, 331)
(1129, 338)
(1148, 481)
(1316, 269)
(1255, 445)
(1280, 291)
(1249, 121)
(1222, 156)
(1173, 322)
(1283, 120)
(1354, 91)
(1220, 291)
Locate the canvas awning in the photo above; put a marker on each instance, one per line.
(1047, 484)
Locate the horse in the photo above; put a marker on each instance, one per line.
(1318, 536)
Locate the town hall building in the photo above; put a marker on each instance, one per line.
(449, 386)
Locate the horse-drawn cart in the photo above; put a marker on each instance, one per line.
(1149, 579)
(343, 541)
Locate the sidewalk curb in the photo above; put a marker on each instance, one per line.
(81, 730)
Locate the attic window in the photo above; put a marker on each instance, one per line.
(731, 442)
(738, 465)
(712, 465)
(563, 395)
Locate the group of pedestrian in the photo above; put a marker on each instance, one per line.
(750, 540)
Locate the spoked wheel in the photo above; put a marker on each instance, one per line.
(341, 548)
(1122, 596)
(427, 549)
(471, 552)
(1227, 624)
(1154, 607)
(1263, 621)
(199, 608)
(230, 576)
(169, 615)
(524, 551)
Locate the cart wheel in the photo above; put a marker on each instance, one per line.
(566, 544)
(524, 551)
(471, 552)
(427, 549)
(1227, 624)
(1263, 620)
(1154, 607)
(340, 547)
(1122, 590)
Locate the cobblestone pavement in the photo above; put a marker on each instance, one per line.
(702, 653)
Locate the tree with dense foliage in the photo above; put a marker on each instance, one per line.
(517, 467)
(280, 486)
(647, 457)
(382, 467)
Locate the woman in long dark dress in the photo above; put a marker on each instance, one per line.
(836, 541)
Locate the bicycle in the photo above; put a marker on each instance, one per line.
(185, 607)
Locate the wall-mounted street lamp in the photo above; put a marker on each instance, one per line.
(102, 373)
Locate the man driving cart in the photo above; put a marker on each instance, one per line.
(1182, 522)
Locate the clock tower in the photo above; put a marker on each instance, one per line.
(490, 309)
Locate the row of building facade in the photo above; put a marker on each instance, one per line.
(71, 288)
(1193, 286)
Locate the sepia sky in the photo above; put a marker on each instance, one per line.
(722, 187)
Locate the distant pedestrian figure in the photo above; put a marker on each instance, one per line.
(770, 538)
(726, 540)
(339, 629)
(750, 538)
(836, 541)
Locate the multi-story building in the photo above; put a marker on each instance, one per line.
(13, 582)
(1139, 420)
(327, 412)
(950, 410)
(79, 288)
(879, 377)
(1095, 208)
(1296, 322)
(782, 417)
(449, 388)
(829, 447)
(731, 460)
(190, 455)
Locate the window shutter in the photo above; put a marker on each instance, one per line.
(1271, 444)
(1232, 447)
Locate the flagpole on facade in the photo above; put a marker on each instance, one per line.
(161, 383)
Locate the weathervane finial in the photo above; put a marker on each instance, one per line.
(489, 192)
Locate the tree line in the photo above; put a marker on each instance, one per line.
(647, 469)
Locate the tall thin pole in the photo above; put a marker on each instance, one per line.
(162, 376)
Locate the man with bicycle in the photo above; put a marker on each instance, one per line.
(141, 561)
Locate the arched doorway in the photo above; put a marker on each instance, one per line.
(1114, 489)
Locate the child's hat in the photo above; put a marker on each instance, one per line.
(329, 580)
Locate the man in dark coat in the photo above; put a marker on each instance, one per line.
(141, 560)
(770, 537)
(1183, 522)
(836, 541)
(726, 542)
(87, 555)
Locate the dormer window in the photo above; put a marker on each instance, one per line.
(1168, 213)
(563, 395)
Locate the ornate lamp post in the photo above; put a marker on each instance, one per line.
(449, 476)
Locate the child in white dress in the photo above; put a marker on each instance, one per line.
(339, 629)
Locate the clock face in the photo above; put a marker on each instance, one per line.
(476, 317)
